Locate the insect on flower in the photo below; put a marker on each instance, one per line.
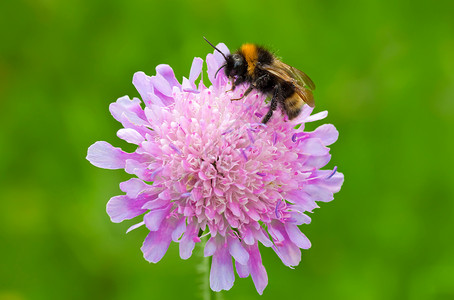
(288, 87)
(205, 166)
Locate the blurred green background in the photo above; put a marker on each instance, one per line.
(383, 69)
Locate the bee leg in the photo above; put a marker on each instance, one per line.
(273, 105)
(249, 89)
(239, 80)
(233, 87)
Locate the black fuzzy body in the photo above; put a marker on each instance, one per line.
(245, 65)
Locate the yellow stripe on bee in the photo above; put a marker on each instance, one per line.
(293, 105)
(251, 55)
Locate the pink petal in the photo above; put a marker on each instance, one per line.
(275, 233)
(247, 235)
(135, 226)
(258, 272)
(318, 193)
(297, 237)
(218, 56)
(152, 148)
(161, 85)
(302, 199)
(196, 69)
(304, 114)
(165, 195)
(141, 169)
(242, 270)
(252, 213)
(315, 161)
(313, 146)
(155, 203)
(289, 253)
(167, 73)
(262, 236)
(327, 133)
(187, 241)
(155, 116)
(214, 61)
(104, 155)
(221, 275)
(235, 208)
(317, 116)
(334, 183)
(133, 187)
(210, 247)
(142, 82)
(157, 242)
(299, 218)
(179, 230)
(129, 113)
(130, 135)
(237, 250)
(322, 188)
(154, 218)
(122, 207)
(188, 86)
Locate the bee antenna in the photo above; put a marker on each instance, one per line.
(215, 74)
(215, 48)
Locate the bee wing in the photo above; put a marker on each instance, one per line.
(290, 73)
(302, 78)
(306, 95)
(303, 84)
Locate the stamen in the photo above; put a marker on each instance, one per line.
(321, 177)
(228, 131)
(250, 136)
(276, 210)
(175, 148)
(173, 214)
(244, 154)
(184, 132)
(190, 90)
(257, 124)
(261, 174)
(154, 173)
(234, 234)
(274, 138)
(332, 174)
(298, 134)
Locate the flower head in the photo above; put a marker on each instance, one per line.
(205, 165)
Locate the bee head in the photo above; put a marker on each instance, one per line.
(235, 64)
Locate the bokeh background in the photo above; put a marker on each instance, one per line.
(383, 69)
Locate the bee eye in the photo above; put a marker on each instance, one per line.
(236, 60)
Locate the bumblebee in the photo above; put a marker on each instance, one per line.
(287, 86)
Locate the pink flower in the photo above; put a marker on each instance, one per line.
(206, 164)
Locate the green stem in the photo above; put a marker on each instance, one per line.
(204, 270)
